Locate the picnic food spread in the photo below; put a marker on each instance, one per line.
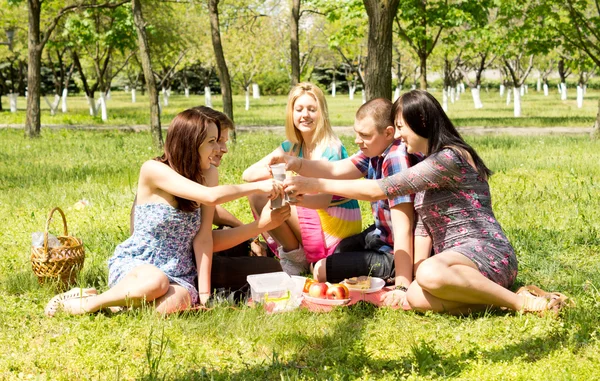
(358, 283)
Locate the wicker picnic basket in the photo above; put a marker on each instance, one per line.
(60, 263)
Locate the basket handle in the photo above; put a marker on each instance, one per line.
(66, 232)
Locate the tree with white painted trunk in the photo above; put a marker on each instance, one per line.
(12, 74)
(420, 23)
(519, 68)
(135, 77)
(102, 43)
(477, 41)
(404, 66)
(523, 33)
(165, 75)
(579, 24)
(13, 56)
(346, 34)
(246, 61)
(564, 71)
(545, 65)
(62, 70)
(39, 34)
(585, 68)
(450, 73)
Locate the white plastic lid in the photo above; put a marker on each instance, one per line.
(269, 282)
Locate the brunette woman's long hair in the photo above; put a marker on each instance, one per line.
(186, 133)
(426, 117)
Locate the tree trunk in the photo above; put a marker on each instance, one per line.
(595, 134)
(294, 42)
(224, 79)
(33, 118)
(423, 70)
(155, 128)
(378, 79)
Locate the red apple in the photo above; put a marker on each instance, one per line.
(318, 290)
(307, 284)
(338, 291)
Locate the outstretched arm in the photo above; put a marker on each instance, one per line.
(367, 190)
(155, 175)
(224, 239)
(436, 171)
(341, 169)
(260, 169)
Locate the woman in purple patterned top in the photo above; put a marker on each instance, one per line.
(176, 195)
(474, 264)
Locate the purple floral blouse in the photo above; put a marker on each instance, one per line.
(454, 207)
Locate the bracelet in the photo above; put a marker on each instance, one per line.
(204, 293)
(301, 161)
(401, 288)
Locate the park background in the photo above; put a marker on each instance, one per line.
(545, 187)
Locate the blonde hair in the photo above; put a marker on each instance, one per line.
(324, 135)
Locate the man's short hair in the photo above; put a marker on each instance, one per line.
(380, 110)
(224, 122)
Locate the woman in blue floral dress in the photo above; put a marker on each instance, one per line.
(176, 196)
(474, 264)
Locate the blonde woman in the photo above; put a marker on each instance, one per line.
(318, 221)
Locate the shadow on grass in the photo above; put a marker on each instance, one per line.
(341, 354)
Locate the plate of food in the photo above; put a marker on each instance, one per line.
(326, 302)
(365, 284)
(326, 294)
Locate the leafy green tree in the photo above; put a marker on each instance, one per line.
(580, 26)
(13, 53)
(347, 37)
(102, 42)
(476, 40)
(525, 33)
(144, 49)
(420, 23)
(222, 69)
(39, 34)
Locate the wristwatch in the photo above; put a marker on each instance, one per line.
(401, 288)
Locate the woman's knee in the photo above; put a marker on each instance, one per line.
(430, 274)
(151, 283)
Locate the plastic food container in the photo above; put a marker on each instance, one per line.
(274, 289)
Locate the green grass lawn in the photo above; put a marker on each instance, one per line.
(537, 110)
(546, 196)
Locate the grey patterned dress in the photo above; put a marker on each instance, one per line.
(162, 237)
(454, 207)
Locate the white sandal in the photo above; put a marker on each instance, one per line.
(56, 302)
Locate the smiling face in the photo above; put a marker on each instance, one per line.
(368, 138)
(414, 143)
(210, 147)
(306, 114)
(222, 142)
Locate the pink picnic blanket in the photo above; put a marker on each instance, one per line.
(355, 297)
